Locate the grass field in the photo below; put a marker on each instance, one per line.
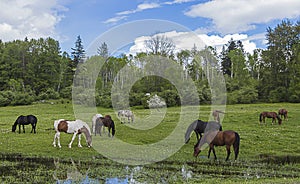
(268, 153)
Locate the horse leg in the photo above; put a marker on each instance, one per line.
(19, 128)
(57, 136)
(100, 127)
(79, 139)
(109, 131)
(228, 151)
(214, 152)
(74, 135)
(209, 153)
(54, 140)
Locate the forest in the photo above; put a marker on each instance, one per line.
(37, 69)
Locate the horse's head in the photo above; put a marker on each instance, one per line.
(89, 142)
(196, 150)
(279, 120)
(14, 127)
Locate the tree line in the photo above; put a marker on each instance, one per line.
(37, 69)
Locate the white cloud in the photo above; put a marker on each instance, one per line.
(187, 40)
(140, 7)
(115, 19)
(178, 2)
(31, 18)
(230, 16)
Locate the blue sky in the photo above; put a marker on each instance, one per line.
(215, 21)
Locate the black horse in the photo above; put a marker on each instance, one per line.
(200, 127)
(25, 120)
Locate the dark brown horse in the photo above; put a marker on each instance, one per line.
(219, 138)
(107, 122)
(283, 113)
(272, 115)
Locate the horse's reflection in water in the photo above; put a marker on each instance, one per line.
(64, 172)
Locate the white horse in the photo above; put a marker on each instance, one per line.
(95, 117)
(72, 127)
(123, 114)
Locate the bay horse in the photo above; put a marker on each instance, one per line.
(25, 120)
(123, 114)
(105, 121)
(200, 127)
(216, 115)
(283, 113)
(272, 115)
(220, 138)
(76, 127)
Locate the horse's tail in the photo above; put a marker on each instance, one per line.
(113, 129)
(236, 145)
(188, 132)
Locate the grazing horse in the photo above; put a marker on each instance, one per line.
(123, 114)
(107, 122)
(283, 113)
(25, 120)
(216, 116)
(199, 127)
(272, 115)
(72, 127)
(219, 138)
(94, 121)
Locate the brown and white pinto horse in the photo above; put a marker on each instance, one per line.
(72, 127)
(283, 113)
(272, 115)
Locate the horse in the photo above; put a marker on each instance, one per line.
(220, 138)
(123, 114)
(272, 115)
(25, 120)
(199, 127)
(283, 113)
(216, 116)
(105, 121)
(72, 127)
(94, 121)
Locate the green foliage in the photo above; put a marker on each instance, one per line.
(49, 94)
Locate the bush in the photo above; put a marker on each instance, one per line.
(66, 93)
(103, 101)
(22, 99)
(4, 101)
(49, 94)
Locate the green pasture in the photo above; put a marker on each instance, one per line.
(268, 153)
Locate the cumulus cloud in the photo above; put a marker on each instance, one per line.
(32, 19)
(187, 40)
(231, 16)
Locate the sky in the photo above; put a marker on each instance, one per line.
(214, 22)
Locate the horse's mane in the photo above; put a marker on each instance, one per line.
(189, 130)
